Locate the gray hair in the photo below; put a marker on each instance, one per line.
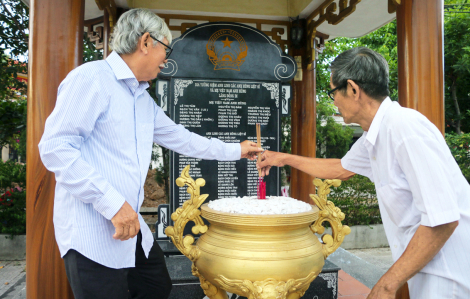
(367, 68)
(132, 25)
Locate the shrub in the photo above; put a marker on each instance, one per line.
(12, 198)
(357, 199)
(459, 147)
(12, 121)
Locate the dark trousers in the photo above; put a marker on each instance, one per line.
(148, 280)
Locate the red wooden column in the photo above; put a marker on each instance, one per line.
(303, 134)
(55, 48)
(420, 58)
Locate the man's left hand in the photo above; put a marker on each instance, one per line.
(250, 149)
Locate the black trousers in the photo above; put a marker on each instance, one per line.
(148, 280)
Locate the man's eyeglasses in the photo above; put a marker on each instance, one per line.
(331, 93)
(168, 49)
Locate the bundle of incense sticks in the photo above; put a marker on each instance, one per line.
(261, 183)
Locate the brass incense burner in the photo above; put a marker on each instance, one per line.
(256, 256)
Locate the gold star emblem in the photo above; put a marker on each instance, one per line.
(227, 42)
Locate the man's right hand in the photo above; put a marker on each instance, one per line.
(126, 223)
(249, 150)
(268, 159)
(317, 167)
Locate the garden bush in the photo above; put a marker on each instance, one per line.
(357, 199)
(12, 198)
(460, 148)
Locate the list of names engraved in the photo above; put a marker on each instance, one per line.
(229, 112)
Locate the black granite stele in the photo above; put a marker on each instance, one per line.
(221, 80)
(187, 286)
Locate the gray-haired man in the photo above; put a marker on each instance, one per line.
(424, 199)
(98, 142)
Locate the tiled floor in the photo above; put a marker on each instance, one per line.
(350, 288)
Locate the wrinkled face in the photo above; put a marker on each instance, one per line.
(345, 103)
(156, 61)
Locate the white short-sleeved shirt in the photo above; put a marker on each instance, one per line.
(418, 183)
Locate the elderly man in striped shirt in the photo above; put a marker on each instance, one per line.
(98, 142)
(423, 197)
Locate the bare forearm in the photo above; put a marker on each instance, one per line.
(425, 244)
(318, 167)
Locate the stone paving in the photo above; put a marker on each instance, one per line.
(12, 279)
(361, 269)
(380, 257)
(350, 288)
(374, 261)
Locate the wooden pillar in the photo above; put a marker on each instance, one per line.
(420, 58)
(303, 135)
(55, 48)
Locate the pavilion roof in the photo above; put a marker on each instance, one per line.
(367, 16)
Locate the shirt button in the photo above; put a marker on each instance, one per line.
(373, 158)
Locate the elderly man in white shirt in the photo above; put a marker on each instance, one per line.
(423, 197)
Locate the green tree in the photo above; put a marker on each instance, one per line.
(459, 145)
(333, 139)
(384, 41)
(14, 22)
(12, 122)
(457, 66)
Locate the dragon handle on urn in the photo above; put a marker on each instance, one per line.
(331, 214)
(188, 212)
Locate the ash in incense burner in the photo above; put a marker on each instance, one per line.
(273, 205)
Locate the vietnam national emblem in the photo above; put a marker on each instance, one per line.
(227, 50)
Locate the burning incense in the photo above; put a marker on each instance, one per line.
(261, 184)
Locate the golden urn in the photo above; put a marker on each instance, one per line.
(256, 256)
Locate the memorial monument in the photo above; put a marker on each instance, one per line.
(221, 80)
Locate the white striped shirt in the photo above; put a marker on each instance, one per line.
(418, 183)
(98, 142)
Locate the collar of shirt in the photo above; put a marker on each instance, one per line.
(371, 135)
(123, 72)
